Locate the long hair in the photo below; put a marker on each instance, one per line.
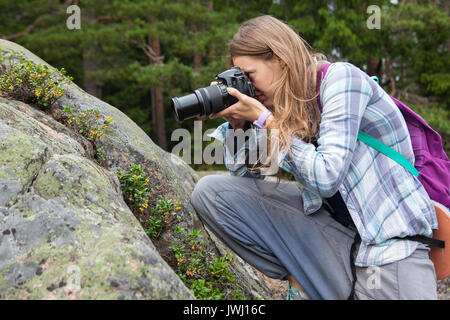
(295, 108)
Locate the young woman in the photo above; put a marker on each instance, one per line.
(294, 234)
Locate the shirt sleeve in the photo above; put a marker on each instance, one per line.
(345, 93)
(236, 152)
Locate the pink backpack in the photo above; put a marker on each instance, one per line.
(431, 161)
(431, 167)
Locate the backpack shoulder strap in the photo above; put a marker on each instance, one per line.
(391, 153)
(364, 137)
(396, 156)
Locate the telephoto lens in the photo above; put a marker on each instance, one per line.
(200, 103)
(212, 99)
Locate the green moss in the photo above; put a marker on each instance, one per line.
(22, 156)
(98, 258)
(72, 178)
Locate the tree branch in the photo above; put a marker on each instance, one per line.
(149, 52)
(103, 18)
(27, 30)
(37, 22)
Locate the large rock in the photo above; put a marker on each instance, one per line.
(65, 231)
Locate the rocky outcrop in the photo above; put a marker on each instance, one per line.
(65, 230)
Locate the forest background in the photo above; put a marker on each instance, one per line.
(137, 55)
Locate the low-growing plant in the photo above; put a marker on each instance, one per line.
(135, 186)
(160, 218)
(24, 80)
(208, 277)
(91, 124)
(204, 290)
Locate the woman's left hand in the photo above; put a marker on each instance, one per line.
(246, 108)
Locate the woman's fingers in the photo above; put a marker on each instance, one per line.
(237, 94)
(222, 113)
(245, 108)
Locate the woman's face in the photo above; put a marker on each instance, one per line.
(262, 74)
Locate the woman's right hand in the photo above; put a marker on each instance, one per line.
(235, 123)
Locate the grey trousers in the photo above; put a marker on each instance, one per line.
(268, 229)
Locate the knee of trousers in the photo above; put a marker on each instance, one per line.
(205, 188)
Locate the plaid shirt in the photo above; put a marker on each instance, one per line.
(383, 198)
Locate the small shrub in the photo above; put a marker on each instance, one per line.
(160, 218)
(135, 187)
(90, 124)
(203, 290)
(208, 277)
(32, 83)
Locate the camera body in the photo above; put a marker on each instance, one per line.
(235, 78)
(212, 99)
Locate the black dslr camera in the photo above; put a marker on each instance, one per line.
(212, 99)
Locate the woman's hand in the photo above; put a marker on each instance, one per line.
(247, 108)
(234, 122)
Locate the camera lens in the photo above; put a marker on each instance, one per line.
(186, 107)
(203, 101)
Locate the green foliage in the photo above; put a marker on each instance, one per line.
(135, 186)
(37, 84)
(437, 117)
(160, 217)
(91, 124)
(437, 83)
(203, 290)
(208, 277)
(415, 41)
(193, 38)
(137, 193)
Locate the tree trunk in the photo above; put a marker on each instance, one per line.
(158, 118)
(90, 86)
(197, 56)
(89, 64)
(210, 6)
(391, 77)
(197, 62)
(374, 67)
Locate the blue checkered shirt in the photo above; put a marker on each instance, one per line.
(384, 199)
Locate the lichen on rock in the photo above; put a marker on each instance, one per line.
(65, 230)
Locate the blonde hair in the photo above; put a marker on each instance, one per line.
(295, 105)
